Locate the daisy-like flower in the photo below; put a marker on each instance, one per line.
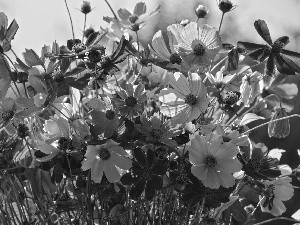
(198, 45)
(219, 81)
(276, 192)
(106, 119)
(214, 161)
(131, 100)
(56, 130)
(159, 48)
(186, 100)
(7, 111)
(106, 158)
(250, 88)
(232, 137)
(157, 131)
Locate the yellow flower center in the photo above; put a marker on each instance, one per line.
(110, 114)
(199, 49)
(131, 101)
(175, 59)
(210, 161)
(104, 154)
(190, 99)
(7, 115)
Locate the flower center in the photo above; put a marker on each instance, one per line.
(104, 154)
(7, 115)
(254, 164)
(226, 138)
(190, 99)
(175, 59)
(277, 46)
(58, 76)
(145, 173)
(133, 18)
(210, 161)
(63, 143)
(23, 130)
(131, 101)
(199, 49)
(110, 114)
(105, 62)
(156, 133)
(79, 47)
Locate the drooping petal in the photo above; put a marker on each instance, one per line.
(189, 34)
(140, 9)
(89, 163)
(124, 14)
(200, 171)
(47, 149)
(213, 143)
(180, 83)
(228, 165)
(174, 32)
(137, 189)
(97, 171)
(263, 30)
(118, 149)
(121, 161)
(226, 179)
(159, 47)
(212, 180)
(92, 151)
(111, 172)
(52, 128)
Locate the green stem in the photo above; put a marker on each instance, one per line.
(84, 27)
(283, 118)
(221, 22)
(70, 19)
(278, 218)
(113, 12)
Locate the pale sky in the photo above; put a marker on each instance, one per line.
(44, 21)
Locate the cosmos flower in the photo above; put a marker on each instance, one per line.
(131, 100)
(250, 88)
(276, 191)
(214, 161)
(7, 111)
(274, 52)
(159, 48)
(186, 100)
(105, 159)
(198, 45)
(157, 131)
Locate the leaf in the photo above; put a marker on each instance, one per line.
(4, 68)
(79, 84)
(38, 84)
(250, 117)
(4, 85)
(238, 212)
(286, 91)
(225, 206)
(95, 103)
(263, 30)
(91, 38)
(31, 58)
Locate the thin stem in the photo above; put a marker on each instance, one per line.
(84, 27)
(70, 19)
(221, 61)
(278, 218)
(221, 22)
(14, 53)
(138, 43)
(283, 118)
(113, 12)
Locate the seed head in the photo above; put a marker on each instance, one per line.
(85, 7)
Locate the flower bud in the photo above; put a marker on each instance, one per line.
(72, 42)
(85, 7)
(89, 31)
(225, 6)
(279, 128)
(95, 56)
(201, 11)
(184, 22)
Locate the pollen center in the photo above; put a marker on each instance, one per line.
(156, 133)
(199, 49)
(175, 59)
(131, 101)
(7, 115)
(253, 164)
(277, 46)
(133, 18)
(110, 114)
(104, 154)
(190, 99)
(145, 173)
(210, 161)
(63, 143)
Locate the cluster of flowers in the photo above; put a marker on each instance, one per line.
(113, 116)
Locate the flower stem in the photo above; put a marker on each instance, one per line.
(70, 19)
(254, 128)
(221, 22)
(277, 218)
(113, 12)
(83, 28)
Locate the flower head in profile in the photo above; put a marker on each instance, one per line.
(201, 11)
(198, 45)
(232, 136)
(131, 101)
(106, 158)
(226, 5)
(7, 111)
(156, 130)
(85, 7)
(214, 161)
(276, 191)
(250, 88)
(186, 100)
(160, 50)
(279, 128)
(7, 33)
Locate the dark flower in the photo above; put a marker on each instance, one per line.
(201, 11)
(7, 111)
(273, 51)
(145, 174)
(85, 7)
(260, 166)
(226, 6)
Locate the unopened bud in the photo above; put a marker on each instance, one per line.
(184, 22)
(279, 128)
(225, 5)
(88, 32)
(85, 7)
(133, 18)
(201, 11)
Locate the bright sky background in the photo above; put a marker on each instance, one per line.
(43, 21)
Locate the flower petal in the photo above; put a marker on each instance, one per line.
(97, 171)
(200, 171)
(180, 83)
(111, 172)
(121, 161)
